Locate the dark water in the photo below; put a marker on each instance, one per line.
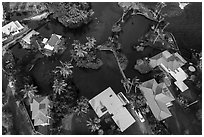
(186, 28)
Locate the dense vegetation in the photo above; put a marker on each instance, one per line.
(85, 54)
(71, 14)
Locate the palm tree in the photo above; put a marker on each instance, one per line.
(66, 69)
(91, 42)
(82, 106)
(136, 82)
(160, 33)
(79, 49)
(59, 86)
(94, 124)
(28, 90)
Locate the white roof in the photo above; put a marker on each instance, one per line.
(123, 118)
(44, 40)
(12, 26)
(181, 85)
(166, 54)
(111, 101)
(114, 106)
(47, 46)
(179, 74)
(18, 25)
(180, 57)
(165, 69)
(104, 99)
(170, 61)
(29, 35)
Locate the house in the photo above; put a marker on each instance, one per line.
(27, 37)
(25, 42)
(52, 44)
(108, 102)
(54, 40)
(12, 33)
(13, 28)
(179, 75)
(158, 98)
(40, 110)
(170, 61)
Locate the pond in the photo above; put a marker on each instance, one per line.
(186, 29)
(106, 14)
(92, 82)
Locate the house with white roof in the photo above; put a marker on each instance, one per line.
(27, 37)
(171, 63)
(13, 27)
(40, 111)
(25, 41)
(158, 98)
(12, 33)
(108, 102)
(179, 75)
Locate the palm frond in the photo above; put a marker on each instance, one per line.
(65, 70)
(59, 86)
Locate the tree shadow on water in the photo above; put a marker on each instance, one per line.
(83, 29)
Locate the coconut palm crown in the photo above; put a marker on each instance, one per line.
(82, 106)
(59, 86)
(93, 124)
(65, 70)
(28, 89)
(91, 43)
(79, 49)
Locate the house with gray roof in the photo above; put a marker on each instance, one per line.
(40, 110)
(53, 44)
(158, 98)
(170, 61)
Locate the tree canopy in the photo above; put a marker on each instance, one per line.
(71, 14)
